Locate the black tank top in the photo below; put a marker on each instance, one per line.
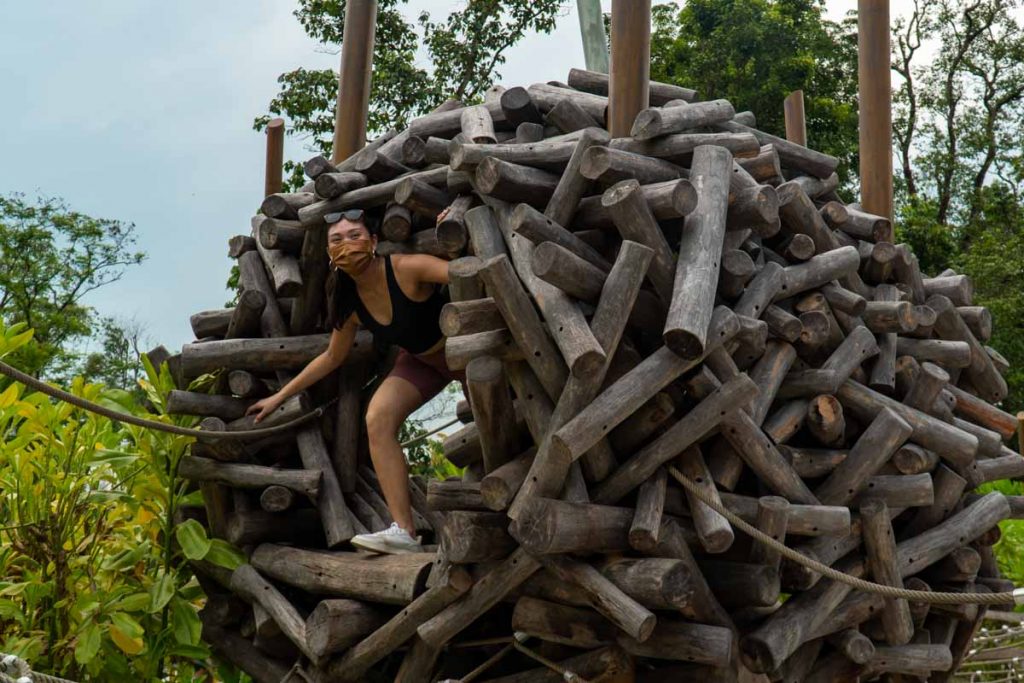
(415, 325)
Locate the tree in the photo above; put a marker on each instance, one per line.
(465, 51)
(754, 53)
(956, 122)
(117, 364)
(50, 258)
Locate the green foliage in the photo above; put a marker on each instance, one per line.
(117, 363)
(426, 456)
(465, 50)
(92, 583)
(50, 258)
(754, 53)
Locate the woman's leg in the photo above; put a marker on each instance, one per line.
(393, 401)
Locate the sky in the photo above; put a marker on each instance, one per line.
(142, 111)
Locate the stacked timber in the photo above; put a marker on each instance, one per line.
(694, 300)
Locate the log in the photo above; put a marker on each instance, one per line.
(557, 623)
(246, 476)
(291, 353)
(880, 543)
(689, 314)
(337, 624)
(469, 537)
(657, 121)
(574, 182)
(247, 582)
(492, 409)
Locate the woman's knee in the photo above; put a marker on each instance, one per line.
(380, 423)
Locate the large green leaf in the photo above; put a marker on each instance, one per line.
(88, 643)
(161, 592)
(223, 554)
(193, 540)
(185, 623)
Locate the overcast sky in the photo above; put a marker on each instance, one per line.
(141, 110)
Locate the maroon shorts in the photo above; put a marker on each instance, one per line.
(429, 372)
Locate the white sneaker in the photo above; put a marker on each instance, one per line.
(392, 540)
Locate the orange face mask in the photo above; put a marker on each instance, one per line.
(351, 256)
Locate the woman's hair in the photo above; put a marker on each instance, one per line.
(341, 289)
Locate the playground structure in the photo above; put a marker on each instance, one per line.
(791, 359)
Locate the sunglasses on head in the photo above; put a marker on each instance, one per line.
(349, 215)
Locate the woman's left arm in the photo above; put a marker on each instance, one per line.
(426, 268)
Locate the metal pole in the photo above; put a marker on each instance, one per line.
(630, 75)
(874, 79)
(273, 176)
(354, 82)
(796, 124)
(595, 41)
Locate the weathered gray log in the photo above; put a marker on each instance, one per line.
(812, 463)
(364, 654)
(678, 149)
(880, 544)
(477, 125)
(679, 640)
(911, 659)
(596, 82)
(547, 96)
(695, 424)
(657, 121)
(761, 291)
(526, 328)
(240, 244)
(557, 623)
(252, 275)
(950, 443)
(195, 403)
(247, 582)
(884, 435)
(420, 197)
(782, 324)
(484, 594)
(635, 221)
(983, 413)
(981, 372)
(825, 420)
(858, 346)
(751, 444)
(276, 498)
(463, 280)
(498, 488)
(514, 182)
(696, 278)
(213, 323)
(419, 152)
(549, 526)
(957, 288)
(390, 579)
(492, 408)
(530, 223)
(887, 316)
(772, 519)
(608, 166)
(713, 530)
(451, 233)
(331, 501)
(630, 616)
(736, 270)
(803, 520)
(331, 185)
(337, 624)
(518, 107)
(978, 319)
(249, 476)
(469, 536)
(470, 317)
(793, 156)
(667, 200)
(650, 502)
(262, 355)
(567, 116)
(454, 494)
(574, 183)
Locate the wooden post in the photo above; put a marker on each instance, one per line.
(354, 81)
(630, 75)
(796, 124)
(273, 181)
(875, 82)
(595, 45)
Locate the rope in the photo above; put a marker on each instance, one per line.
(421, 437)
(16, 670)
(932, 597)
(85, 404)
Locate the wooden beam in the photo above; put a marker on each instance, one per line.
(595, 42)
(354, 82)
(630, 64)
(273, 179)
(796, 124)
(875, 82)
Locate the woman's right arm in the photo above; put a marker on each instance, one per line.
(318, 368)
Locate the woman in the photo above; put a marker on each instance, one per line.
(399, 300)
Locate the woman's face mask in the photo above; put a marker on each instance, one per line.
(351, 255)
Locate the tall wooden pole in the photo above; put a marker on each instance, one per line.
(873, 76)
(273, 177)
(595, 41)
(354, 83)
(796, 123)
(630, 75)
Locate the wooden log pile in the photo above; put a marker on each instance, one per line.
(697, 298)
